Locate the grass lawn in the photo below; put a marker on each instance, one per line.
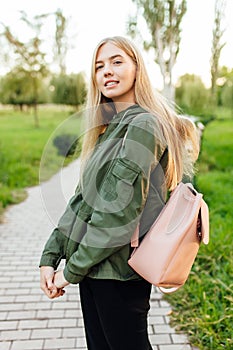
(23, 147)
(203, 308)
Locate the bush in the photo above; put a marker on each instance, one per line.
(66, 144)
(191, 94)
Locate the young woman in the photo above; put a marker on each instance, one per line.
(135, 149)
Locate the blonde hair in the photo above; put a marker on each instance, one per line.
(175, 131)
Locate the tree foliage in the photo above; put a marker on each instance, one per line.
(61, 41)
(30, 57)
(25, 82)
(69, 89)
(191, 94)
(15, 88)
(225, 87)
(163, 19)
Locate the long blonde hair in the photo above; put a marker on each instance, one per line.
(177, 132)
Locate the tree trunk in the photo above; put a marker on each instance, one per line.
(35, 98)
(168, 91)
(36, 118)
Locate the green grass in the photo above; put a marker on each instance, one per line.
(203, 308)
(23, 148)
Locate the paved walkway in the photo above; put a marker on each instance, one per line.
(29, 320)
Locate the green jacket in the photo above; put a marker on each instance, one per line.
(123, 183)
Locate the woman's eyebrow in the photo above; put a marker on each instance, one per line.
(110, 58)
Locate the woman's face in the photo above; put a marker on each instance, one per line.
(115, 74)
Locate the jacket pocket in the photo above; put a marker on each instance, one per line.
(118, 183)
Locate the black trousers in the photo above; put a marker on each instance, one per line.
(115, 314)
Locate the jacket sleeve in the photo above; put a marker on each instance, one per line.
(121, 198)
(55, 247)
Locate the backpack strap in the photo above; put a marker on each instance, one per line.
(204, 211)
(204, 222)
(135, 238)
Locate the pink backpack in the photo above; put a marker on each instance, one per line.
(167, 252)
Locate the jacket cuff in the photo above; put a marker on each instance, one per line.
(48, 261)
(70, 277)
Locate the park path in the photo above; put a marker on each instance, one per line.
(29, 320)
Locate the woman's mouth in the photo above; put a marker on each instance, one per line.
(110, 83)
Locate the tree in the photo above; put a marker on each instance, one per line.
(225, 87)
(30, 57)
(217, 44)
(191, 94)
(69, 89)
(5, 55)
(15, 88)
(163, 19)
(61, 41)
(227, 95)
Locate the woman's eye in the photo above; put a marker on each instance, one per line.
(99, 67)
(117, 62)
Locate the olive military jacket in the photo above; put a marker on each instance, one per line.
(123, 183)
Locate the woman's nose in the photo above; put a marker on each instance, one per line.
(107, 70)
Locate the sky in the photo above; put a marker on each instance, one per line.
(92, 20)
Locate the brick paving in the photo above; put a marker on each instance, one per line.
(28, 319)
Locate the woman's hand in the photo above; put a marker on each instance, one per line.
(59, 280)
(47, 283)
